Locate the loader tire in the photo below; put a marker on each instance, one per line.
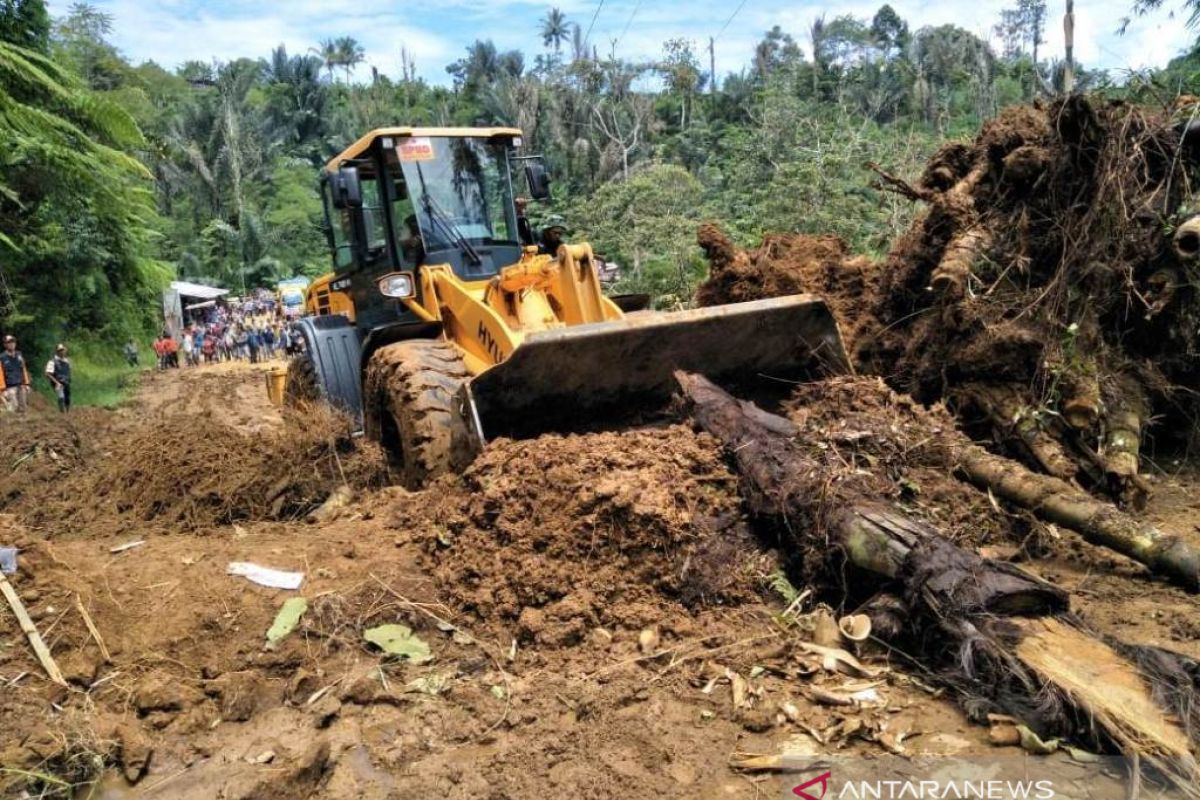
(410, 408)
(301, 387)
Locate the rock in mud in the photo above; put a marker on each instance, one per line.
(79, 668)
(239, 694)
(164, 693)
(135, 752)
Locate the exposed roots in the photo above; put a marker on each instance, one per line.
(1048, 293)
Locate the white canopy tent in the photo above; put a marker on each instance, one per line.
(174, 297)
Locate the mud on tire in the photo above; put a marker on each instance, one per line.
(409, 404)
(301, 386)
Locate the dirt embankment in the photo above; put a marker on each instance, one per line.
(175, 466)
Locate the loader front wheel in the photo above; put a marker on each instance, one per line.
(410, 408)
(300, 387)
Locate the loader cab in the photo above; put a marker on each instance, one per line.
(401, 198)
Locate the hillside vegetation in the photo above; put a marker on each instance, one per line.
(117, 176)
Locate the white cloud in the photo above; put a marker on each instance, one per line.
(435, 33)
(171, 32)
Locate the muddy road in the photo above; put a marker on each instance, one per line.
(600, 618)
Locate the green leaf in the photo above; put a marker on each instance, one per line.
(399, 641)
(1032, 743)
(287, 619)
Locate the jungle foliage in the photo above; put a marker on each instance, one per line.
(116, 177)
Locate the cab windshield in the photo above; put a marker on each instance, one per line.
(459, 189)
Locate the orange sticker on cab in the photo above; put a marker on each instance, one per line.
(416, 149)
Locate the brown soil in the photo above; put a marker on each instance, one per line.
(590, 602)
(889, 447)
(561, 535)
(789, 264)
(554, 559)
(170, 464)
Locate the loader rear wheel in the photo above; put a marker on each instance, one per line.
(410, 407)
(301, 387)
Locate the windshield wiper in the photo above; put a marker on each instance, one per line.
(440, 219)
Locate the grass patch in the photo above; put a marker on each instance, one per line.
(99, 374)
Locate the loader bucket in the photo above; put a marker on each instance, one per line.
(571, 374)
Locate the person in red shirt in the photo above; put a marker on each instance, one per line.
(160, 350)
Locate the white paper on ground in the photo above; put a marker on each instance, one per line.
(265, 576)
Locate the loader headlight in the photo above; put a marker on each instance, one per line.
(398, 285)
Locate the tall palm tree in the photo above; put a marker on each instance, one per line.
(555, 29)
(350, 54)
(329, 54)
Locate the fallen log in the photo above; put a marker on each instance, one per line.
(1002, 406)
(994, 630)
(1100, 523)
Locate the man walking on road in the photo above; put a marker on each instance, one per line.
(16, 376)
(58, 370)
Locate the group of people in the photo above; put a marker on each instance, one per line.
(18, 385)
(212, 343)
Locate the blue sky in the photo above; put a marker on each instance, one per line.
(435, 33)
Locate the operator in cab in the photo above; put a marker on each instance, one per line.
(411, 246)
(553, 234)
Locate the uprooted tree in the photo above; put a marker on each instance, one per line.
(1004, 639)
(1048, 293)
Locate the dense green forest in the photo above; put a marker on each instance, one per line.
(117, 177)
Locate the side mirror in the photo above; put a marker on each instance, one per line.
(346, 188)
(539, 180)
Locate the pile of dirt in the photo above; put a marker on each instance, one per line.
(193, 471)
(886, 446)
(39, 449)
(560, 535)
(788, 264)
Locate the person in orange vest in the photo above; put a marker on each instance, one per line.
(172, 348)
(16, 376)
(160, 350)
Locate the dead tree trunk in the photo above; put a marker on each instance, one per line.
(998, 630)
(1100, 523)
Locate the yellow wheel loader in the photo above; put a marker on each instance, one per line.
(447, 322)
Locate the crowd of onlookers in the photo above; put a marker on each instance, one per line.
(212, 343)
(252, 329)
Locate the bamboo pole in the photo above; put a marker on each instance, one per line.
(31, 632)
(91, 626)
(1100, 523)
